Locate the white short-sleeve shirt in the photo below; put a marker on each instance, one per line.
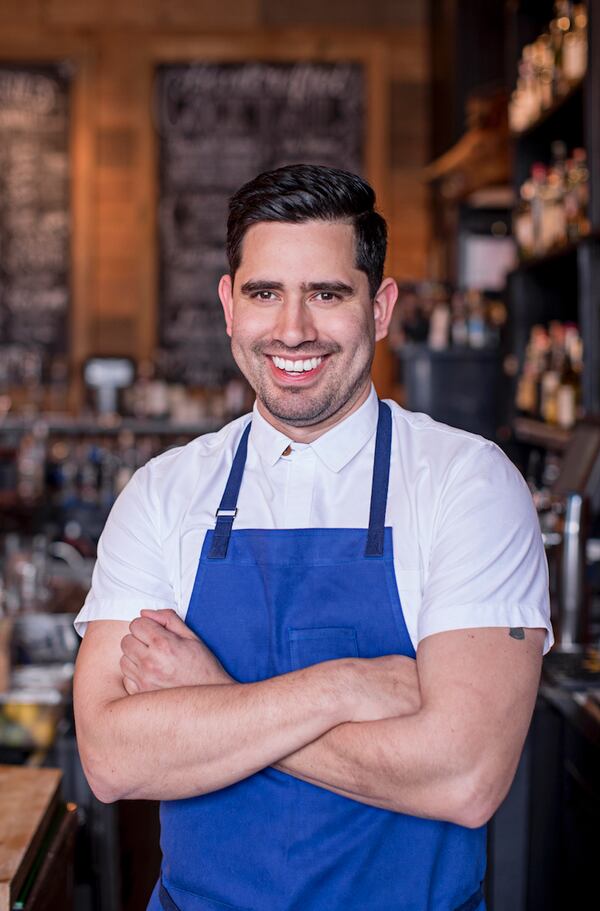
(467, 545)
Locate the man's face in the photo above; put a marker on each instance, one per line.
(302, 323)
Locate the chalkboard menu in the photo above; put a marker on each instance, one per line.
(219, 126)
(34, 212)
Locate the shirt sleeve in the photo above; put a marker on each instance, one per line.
(488, 566)
(130, 571)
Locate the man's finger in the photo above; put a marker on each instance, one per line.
(133, 648)
(131, 686)
(128, 668)
(145, 630)
(170, 620)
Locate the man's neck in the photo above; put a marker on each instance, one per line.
(312, 432)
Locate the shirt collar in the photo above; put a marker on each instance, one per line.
(335, 448)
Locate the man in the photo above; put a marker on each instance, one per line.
(259, 595)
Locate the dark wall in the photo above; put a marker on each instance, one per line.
(467, 52)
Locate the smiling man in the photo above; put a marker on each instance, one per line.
(316, 635)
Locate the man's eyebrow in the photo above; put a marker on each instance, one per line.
(331, 286)
(253, 285)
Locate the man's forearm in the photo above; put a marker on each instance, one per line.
(455, 757)
(186, 741)
(396, 764)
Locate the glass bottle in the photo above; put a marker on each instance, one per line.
(575, 45)
(538, 203)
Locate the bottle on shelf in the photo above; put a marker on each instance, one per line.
(580, 178)
(439, 323)
(528, 386)
(442, 317)
(523, 229)
(550, 379)
(575, 45)
(476, 320)
(538, 202)
(459, 330)
(549, 387)
(553, 206)
(551, 65)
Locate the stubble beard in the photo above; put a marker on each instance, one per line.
(295, 405)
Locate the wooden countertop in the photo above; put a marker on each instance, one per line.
(28, 798)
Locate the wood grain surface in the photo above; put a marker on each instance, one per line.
(28, 798)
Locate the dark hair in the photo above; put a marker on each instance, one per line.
(304, 192)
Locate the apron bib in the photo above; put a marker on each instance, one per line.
(267, 602)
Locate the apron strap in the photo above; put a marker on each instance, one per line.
(379, 491)
(228, 506)
(381, 477)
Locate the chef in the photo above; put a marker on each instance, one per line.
(316, 635)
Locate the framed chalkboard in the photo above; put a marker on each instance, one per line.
(220, 124)
(34, 213)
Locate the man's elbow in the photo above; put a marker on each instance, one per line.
(103, 778)
(101, 765)
(478, 796)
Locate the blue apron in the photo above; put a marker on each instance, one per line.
(267, 602)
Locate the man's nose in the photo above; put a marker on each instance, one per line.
(294, 324)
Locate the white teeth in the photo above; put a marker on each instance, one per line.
(296, 366)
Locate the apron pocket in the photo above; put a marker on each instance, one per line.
(317, 644)
(173, 899)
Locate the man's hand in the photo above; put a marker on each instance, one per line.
(161, 652)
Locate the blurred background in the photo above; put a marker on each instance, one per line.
(124, 128)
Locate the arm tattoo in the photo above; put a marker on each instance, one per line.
(516, 632)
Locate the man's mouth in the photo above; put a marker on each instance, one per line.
(296, 369)
(306, 364)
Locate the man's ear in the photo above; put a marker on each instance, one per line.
(383, 307)
(226, 298)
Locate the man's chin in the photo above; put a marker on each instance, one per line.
(293, 408)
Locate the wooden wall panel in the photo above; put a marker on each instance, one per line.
(21, 12)
(343, 13)
(150, 14)
(210, 14)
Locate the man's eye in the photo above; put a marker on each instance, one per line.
(326, 296)
(263, 295)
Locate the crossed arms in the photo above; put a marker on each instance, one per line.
(440, 737)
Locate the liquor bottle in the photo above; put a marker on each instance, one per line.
(575, 45)
(549, 66)
(569, 389)
(581, 178)
(523, 221)
(529, 397)
(459, 330)
(476, 319)
(543, 63)
(558, 27)
(526, 399)
(439, 323)
(553, 222)
(538, 201)
(549, 384)
(31, 463)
